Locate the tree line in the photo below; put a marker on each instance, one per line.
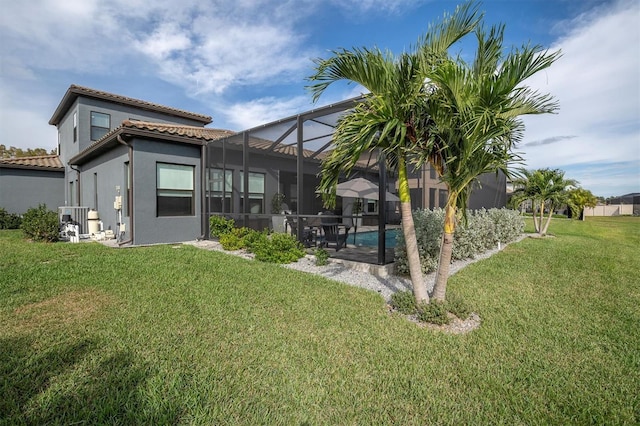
(15, 152)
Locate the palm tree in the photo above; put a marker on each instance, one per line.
(390, 118)
(579, 198)
(474, 110)
(547, 190)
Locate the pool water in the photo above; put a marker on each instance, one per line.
(370, 238)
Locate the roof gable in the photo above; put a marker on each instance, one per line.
(75, 91)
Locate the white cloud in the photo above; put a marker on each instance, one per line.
(380, 6)
(165, 40)
(17, 120)
(245, 115)
(597, 84)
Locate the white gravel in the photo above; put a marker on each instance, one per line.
(337, 271)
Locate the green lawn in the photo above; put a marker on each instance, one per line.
(174, 334)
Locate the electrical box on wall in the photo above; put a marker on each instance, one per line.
(117, 204)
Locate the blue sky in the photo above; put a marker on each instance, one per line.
(244, 62)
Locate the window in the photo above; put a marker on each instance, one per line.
(175, 190)
(95, 191)
(72, 193)
(432, 198)
(75, 126)
(125, 201)
(432, 173)
(220, 188)
(442, 198)
(256, 192)
(372, 206)
(100, 124)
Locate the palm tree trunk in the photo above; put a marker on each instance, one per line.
(536, 227)
(408, 229)
(540, 219)
(546, 225)
(442, 276)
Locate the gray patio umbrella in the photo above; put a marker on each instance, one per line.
(361, 188)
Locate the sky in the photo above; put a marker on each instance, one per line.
(246, 62)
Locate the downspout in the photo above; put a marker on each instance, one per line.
(203, 199)
(78, 186)
(130, 193)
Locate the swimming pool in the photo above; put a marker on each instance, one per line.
(370, 238)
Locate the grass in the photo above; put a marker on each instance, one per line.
(177, 335)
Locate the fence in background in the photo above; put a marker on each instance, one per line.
(610, 210)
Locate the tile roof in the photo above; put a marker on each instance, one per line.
(74, 91)
(208, 134)
(41, 162)
(165, 131)
(202, 133)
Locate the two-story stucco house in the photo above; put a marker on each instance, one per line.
(170, 173)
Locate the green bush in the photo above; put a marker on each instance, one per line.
(322, 256)
(41, 224)
(434, 313)
(220, 225)
(404, 302)
(457, 306)
(483, 230)
(9, 220)
(237, 238)
(509, 224)
(278, 248)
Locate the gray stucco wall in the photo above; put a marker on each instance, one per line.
(98, 183)
(492, 193)
(83, 107)
(21, 189)
(148, 227)
(107, 171)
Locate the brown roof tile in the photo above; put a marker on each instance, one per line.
(42, 161)
(74, 91)
(175, 132)
(202, 133)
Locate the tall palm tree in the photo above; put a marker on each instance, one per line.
(547, 190)
(474, 124)
(390, 118)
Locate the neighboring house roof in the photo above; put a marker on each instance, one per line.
(75, 91)
(148, 130)
(41, 162)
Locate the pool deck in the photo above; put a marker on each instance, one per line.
(364, 258)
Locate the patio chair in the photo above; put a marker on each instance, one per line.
(335, 234)
(308, 234)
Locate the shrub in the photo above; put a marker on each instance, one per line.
(322, 256)
(457, 306)
(434, 313)
(9, 220)
(509, 224)
(41, 224)
(483, 230)
(237, 238)
(474, 237)
(428, 225)
(220, 225)
(278, 248)
(404, 302)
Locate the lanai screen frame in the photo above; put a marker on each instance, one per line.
(307, 137)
